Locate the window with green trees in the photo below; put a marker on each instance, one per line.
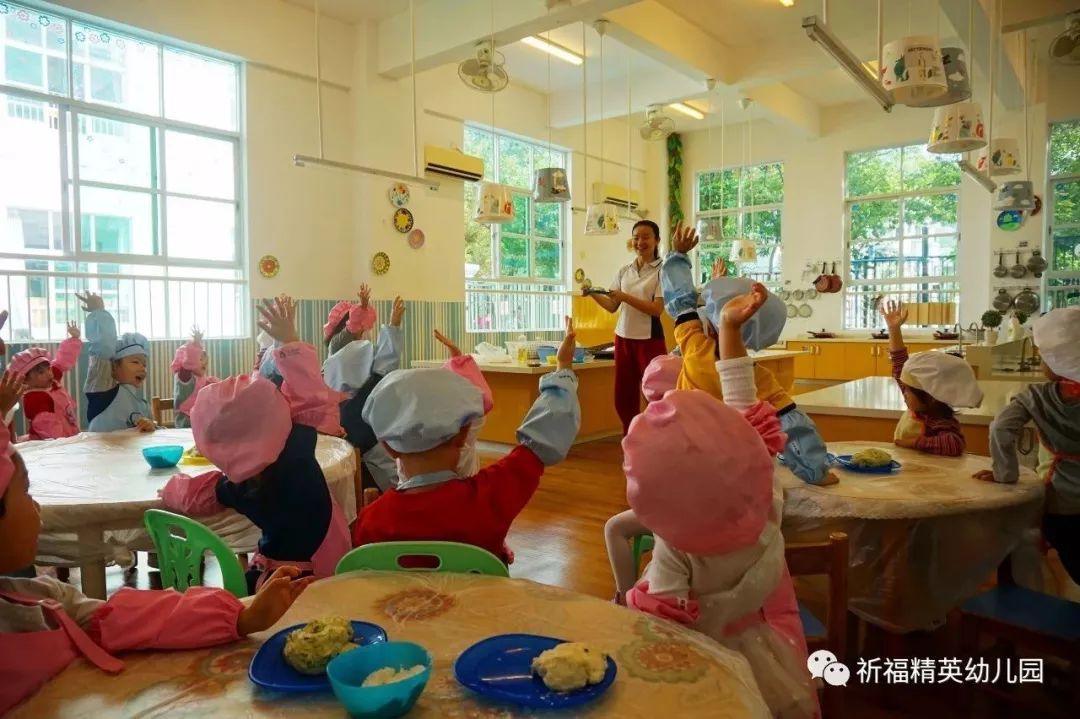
(902, 230)
(736, 202)
(515, 273)
(1063, 237)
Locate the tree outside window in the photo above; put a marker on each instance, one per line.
(1063, 250)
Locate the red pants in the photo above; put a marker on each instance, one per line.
(631, 359)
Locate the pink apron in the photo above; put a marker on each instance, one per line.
(29, 659)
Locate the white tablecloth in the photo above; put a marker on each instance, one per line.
(100, 480)
(922, 539)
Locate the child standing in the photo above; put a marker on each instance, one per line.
(189, 367)
(1054, 407)
(422, 416)
(45, 624)
(934, 384)
(117, 371)
(268, 471)
(715, 508)
(50, 411)
(805, 453)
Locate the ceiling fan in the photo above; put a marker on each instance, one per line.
(484, 72)
(657, 125)
(1065, 48)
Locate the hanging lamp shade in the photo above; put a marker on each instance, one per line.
(957, 128)
(494, 204)
(1015, 195)
(601, 219)
(957, 79)
(551, 185)
(912, 70)
(743, 250)
(1003, 158)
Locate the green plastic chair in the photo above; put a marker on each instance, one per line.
(180, 553)
(641, 544)
(452, 556)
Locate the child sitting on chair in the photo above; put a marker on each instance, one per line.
(263, 441)
(934, 385)
(1054, 407)
(49, 409)
(45, 624)
(349, 321)
(714, 509)
(117, 371)
(354, 370)
(423, 416)
(465, 365)
(805, 453)
(189, 367)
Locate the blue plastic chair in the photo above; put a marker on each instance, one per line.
(180, 553)
(448, 556)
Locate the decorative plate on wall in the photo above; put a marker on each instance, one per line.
(269, 266)
(579, 275)
(403, 220)
(416, 239)
(1010, 220)
(380, 263)
(399, 194)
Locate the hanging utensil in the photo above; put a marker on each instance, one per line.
(1001, 270)
(1002, 301)
(811, 294)
(821, 284)
(805, 310)
(785, 295)
(1019, 269)
(835, 283)
(1036, 264)
(798, 295)
(792, 311)
(1027, 302)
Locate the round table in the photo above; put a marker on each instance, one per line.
(93, 484)
(922, 539)
(664, 670)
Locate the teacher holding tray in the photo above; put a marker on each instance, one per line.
(639, 337)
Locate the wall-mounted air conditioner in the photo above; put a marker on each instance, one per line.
(616, 195)
(452, 163)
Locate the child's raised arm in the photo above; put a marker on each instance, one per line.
(895, 315)
(101, 342)
(553, 421)
(67, 355)
(735, 368)
(388, 347)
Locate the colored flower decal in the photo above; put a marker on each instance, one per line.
(120, 43)
(105, 37)
(43, 20)
(23, 15)
(670, 662)
(415, 604)
(4, 9)
(80, 36)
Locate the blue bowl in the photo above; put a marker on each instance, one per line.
(163, 456)
(349, 670)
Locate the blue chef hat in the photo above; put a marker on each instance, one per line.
(764, 328)
(131, 343)
(350, 367)
(414, 410)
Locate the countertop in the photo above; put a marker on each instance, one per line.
(880, 397)
(929, 340)
(515, 368)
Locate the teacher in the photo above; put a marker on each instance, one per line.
(639, 336)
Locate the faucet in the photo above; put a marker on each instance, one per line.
(1026, 366)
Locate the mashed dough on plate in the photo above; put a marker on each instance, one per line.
(872, 457)
(570, 666)
(310, 648)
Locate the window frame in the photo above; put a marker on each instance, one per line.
(1069, 279)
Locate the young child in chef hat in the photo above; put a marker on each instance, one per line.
(48, 624)
(189, 366)
(935, 385)
(423, 417)
(262, 439)
(1054, 407)
(805, 453)
(50, 411)
(714, 509)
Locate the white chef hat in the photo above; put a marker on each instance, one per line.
(945, 377)
(1057, 335)
(414, 410)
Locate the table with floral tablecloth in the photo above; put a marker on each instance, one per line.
(664, 670)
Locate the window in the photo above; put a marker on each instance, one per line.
(902, 234)
(740, 202)
(515, 274)
(128, 154)
(1063, 250)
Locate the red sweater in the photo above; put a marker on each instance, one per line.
(941, 435)
(477, 510)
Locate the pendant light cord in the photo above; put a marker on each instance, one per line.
(412, 75)
(629, 141)
(584, 116)
(548, 96)
(601, 32)
(318, 82)
(491, 47)
(993, 56)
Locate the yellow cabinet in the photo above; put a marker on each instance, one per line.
(843, 361)
(861, 359)
(829, 361)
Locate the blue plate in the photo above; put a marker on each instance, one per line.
(844, 460)
(269, 670)
(500, 667)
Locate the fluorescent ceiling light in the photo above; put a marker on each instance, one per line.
(787, 3)
(553, 49)
(688, 110)
(816, 31)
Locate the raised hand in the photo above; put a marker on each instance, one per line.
(564, 358)
(448, 343)
(73, 330)
(279, 319)
(91, 301)
(684, 239)
(196, 334)
(272, 600)
(145, 424)
(719, 268)
(398, 312)
(741, 308)
(11, 389)
(365, 295)
(894, 313)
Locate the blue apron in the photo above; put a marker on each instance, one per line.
(123, 412)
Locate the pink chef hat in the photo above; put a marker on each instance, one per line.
(188, 357)
(337, 313)
(7, 466)
(698, 474)
(660, 376)
(27, 360)
(241, 425)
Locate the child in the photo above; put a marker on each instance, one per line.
(422, 416)
(805, 454)
(116, 374)
(354, 370)
(934, 384)
(45, 624)
(349, 321)
(49, 410)
(1054, 407)
(263, 440)
(466, 366)
(661, 376)
(189, 366)
(714, 509)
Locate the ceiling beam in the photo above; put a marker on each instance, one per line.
(656, 88)
(448, 32)
(1032, 13)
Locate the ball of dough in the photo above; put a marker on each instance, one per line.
(872, 457)
(570, 666)
(309, 649)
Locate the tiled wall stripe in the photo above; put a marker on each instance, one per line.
(235, 356)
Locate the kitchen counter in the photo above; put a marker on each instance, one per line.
(515, 368)
(866, 338)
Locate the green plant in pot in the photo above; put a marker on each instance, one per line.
(991, 320)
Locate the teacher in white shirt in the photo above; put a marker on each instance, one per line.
(639, 337)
